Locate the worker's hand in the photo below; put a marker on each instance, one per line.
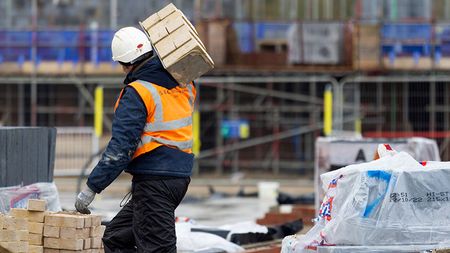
(84, 199)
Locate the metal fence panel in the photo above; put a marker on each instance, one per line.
(74, 147)
(398, 107)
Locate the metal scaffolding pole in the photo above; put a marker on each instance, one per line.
(445, 155)
(432, 96)
(34, 85)
(113, 15)
(405, 109)
(7, 110)
(8, 13)
(258, 141)
(20, 104)
(219, 139)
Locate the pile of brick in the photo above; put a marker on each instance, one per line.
(177, 44)
(72, 232)
(35, 230)
(22, 229)
(286, 213)
(14, 234)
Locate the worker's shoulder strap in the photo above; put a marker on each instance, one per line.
(118, 99)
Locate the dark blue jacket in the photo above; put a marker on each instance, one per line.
(127, 127)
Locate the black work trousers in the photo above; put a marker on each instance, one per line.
(147, 222)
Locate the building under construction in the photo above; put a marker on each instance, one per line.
(262, 107)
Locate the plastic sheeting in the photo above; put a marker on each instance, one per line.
(379, 249)
(18, 196)
(188, 241)
(244, 227)
(335, 152)
(394, 200)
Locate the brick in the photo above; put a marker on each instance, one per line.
(97, 231)
(36, 228)
(22, 235)
(74, 233)
(8, 236)
(59, 243)
(48, 250)
(35, 249)
(157, 32)
(86, 232)
(19, 212)
(174, 22)
(75, 251)
(35, 239)
(53, 219)
(87, 221)
(174, 57)
(96, 220)
(9, 223)
(150, 21)
(96, 242)
(21, 223)
(165, 46)
(36, 216)
(15, 247)
(64, 220)
(12, 223)
(87, 243)
(166, 11)
(181, 37)
(50, 231)
(37, 205)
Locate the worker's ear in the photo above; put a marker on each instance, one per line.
(127, 69)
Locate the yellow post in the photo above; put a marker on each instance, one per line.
(328, 111)
(196, 132)
(358, 127)
(98, 111)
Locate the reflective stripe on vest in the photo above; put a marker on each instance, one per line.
(157, 127)
(169, 125)
(182, 145)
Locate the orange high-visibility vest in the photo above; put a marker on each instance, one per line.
(169, 116)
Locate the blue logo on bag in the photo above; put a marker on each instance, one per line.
(382, 176)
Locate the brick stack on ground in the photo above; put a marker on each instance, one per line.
(22, 229)
(13, 234)
(72, 232)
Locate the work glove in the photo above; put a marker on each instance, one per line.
(83, 200)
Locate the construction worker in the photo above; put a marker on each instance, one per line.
(151, 140)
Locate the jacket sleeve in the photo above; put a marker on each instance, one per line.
(128, 124)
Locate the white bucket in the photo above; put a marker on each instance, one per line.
(268, 191)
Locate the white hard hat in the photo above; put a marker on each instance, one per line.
(128, 44)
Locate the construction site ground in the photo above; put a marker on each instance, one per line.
(221, 208)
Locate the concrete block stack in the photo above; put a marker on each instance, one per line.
(71, 232)
(36, 213)
(14, 233)
(22, 230)
(177, 44)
